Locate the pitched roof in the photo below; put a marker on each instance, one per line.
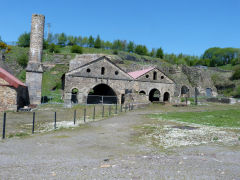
(136, 74)
(13, 81)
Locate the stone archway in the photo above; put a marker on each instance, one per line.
(102, 94)
(154, 95)
(74, 98)
(166, 97)
(142, 92)
(184, 90)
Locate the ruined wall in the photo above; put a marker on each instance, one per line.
(8, 97)
(34, 69)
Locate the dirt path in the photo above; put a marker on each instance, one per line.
(107, 150)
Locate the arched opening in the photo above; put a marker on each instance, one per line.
(142, 93)
(102, 94)
(154, 75)
(184, 90)
(166, 97)
(74, 98)
(102, 70)
(154, 95)
(208, 92)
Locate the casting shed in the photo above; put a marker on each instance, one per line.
(13, 92)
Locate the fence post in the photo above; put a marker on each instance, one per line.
(93, 112)
(129, 107)
(84, 115)
(116, 109)
(33, 123)
(103, 111)
(126, 108)
(132, 106)
(55, 120)
(109, 110)
(121, 108)
(4, 125)
(74, 117)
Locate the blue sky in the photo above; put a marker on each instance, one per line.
(178, 26)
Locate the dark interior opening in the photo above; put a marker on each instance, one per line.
(154, 95)
(102, 94)
(166, 97)
(184, 90)
(154, 75)
(142, 92)
(74, 98)
(102, 71)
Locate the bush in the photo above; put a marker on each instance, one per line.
(23, 60)
(53, 48)
(115, 51)
(76, 49)
(236, 73)
(24, 40)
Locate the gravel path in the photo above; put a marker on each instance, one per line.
(107, 150)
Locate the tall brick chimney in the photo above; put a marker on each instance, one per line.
(34, 69)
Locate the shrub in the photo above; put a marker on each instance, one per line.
(53, 48)
(76, 49)
(115, 51)
(23, 60)
(236, 73)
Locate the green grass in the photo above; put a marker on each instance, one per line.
(228, 67)
(218, 118)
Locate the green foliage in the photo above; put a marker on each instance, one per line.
(141, 50)
(90, 41)
(24, 40)
(115, 51)
(22, 75)
(97, 43)
(53, 48)
(62, 39)
(236, 73)
(108, 45)
(23, 60)
(159, 53)
(130, 47)
(76, 49)
(72, 40)
(221, 56)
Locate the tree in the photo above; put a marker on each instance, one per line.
(153, 53)
(53, 48)
(4, 47)
(97, 43)
(62, 39)
(236, 73)
(159, 53)
(85, 42)
(141, 50)
(24, 40)
(130, 47)
(72, 40)
(108, 45)
(90, 41)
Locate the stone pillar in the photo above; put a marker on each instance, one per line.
(34, 69)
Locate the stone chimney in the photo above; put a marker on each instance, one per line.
(34, 69)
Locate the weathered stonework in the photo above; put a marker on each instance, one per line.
(8, 96)
(34, 69)
(88, 75)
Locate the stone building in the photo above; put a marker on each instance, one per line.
(96, 79)
(34, 69)
(13, 93)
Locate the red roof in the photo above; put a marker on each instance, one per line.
(13, 81)
(137, 74)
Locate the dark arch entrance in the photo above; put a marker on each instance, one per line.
(154, 95)
(142, 92)
(102, 94)
(166, 97)
(74, 98)
(184, 90)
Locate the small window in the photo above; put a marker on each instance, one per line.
(116, 72)
(88, 70)
(147, 76)
(155, 75)
(102, 70)
(162, 77)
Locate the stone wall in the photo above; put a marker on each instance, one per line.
(34, 82)
(8, 96)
